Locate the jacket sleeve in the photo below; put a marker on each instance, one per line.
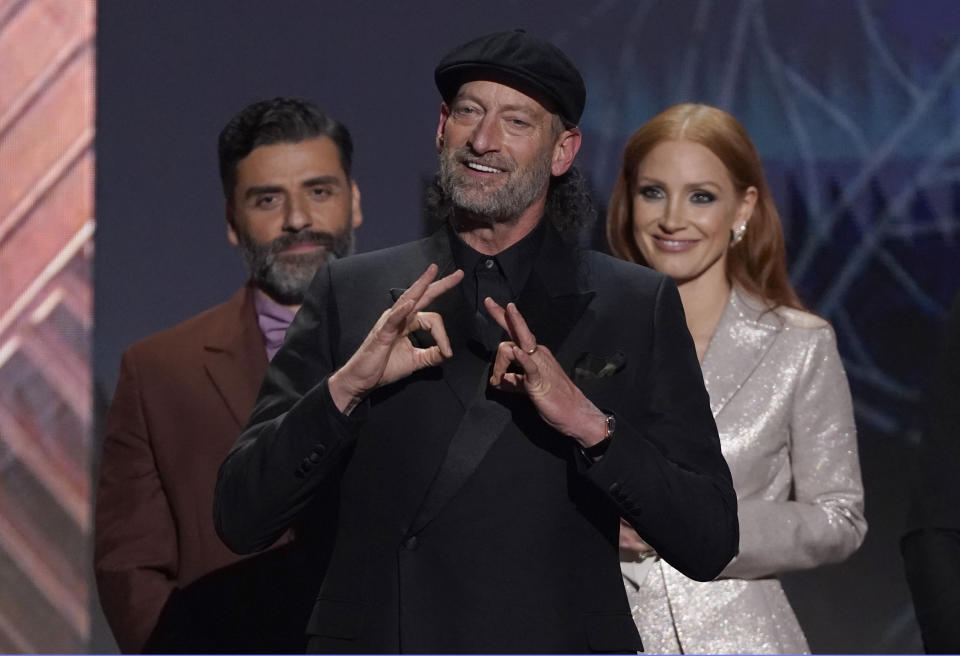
(664, 470)
(135, 550)
(824, 521)
(296, 438)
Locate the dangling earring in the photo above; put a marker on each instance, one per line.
(737, 234)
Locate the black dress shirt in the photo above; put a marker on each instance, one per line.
(501, 277)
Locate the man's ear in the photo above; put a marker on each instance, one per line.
(232, 236)
(565, 150)
(444, 115)
(357, 211)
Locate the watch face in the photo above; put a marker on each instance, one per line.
(611, 425)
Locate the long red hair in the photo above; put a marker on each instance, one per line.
(758, 264)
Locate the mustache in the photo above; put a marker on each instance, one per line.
(308, 237)
(465, 154)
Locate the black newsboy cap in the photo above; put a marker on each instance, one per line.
(519, 60)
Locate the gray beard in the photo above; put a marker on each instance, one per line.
(286, 277)
(501, 203)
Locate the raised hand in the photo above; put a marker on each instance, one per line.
(558, 401)
(386, 355)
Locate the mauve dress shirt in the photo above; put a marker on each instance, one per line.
(273, 319)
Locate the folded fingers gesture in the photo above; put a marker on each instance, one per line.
(386, 355)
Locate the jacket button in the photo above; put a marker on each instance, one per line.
(614, 489)
(315, 456)
(411, 543)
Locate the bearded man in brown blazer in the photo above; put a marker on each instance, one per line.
(166, 581)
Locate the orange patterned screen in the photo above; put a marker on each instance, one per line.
(46, 252)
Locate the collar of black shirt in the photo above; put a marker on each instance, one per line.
(516, 262)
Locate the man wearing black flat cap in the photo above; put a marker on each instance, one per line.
(483, 405)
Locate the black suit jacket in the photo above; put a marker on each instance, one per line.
(466, 523)
(931, 544)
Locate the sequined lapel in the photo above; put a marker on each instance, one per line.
(743, 336)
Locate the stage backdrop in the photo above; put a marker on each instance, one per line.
(854, 105)
(46, 249)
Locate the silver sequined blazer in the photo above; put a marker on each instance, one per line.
(782, 405)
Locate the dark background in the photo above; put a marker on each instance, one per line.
(853, 106)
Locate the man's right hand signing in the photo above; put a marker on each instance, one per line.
(386, 355)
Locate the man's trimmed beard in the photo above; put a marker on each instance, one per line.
(285, 276)
(502, 202)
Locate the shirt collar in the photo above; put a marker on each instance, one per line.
(515, 262)
(273, 319)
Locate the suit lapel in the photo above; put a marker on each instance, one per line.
(742, 337)
(552, 304)
(552, 301)
(465, 371)
(481, 425)
(234, 356)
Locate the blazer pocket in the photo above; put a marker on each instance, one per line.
(612, 633)
(336, 619)
(592, 367)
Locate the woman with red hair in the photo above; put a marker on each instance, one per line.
(691, 201)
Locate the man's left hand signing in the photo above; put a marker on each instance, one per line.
(560, 403)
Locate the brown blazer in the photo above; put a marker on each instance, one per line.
(182, 398)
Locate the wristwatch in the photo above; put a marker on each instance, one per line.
(598, 449)
(610, 422)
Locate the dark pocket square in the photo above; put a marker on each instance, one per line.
(591, 366)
